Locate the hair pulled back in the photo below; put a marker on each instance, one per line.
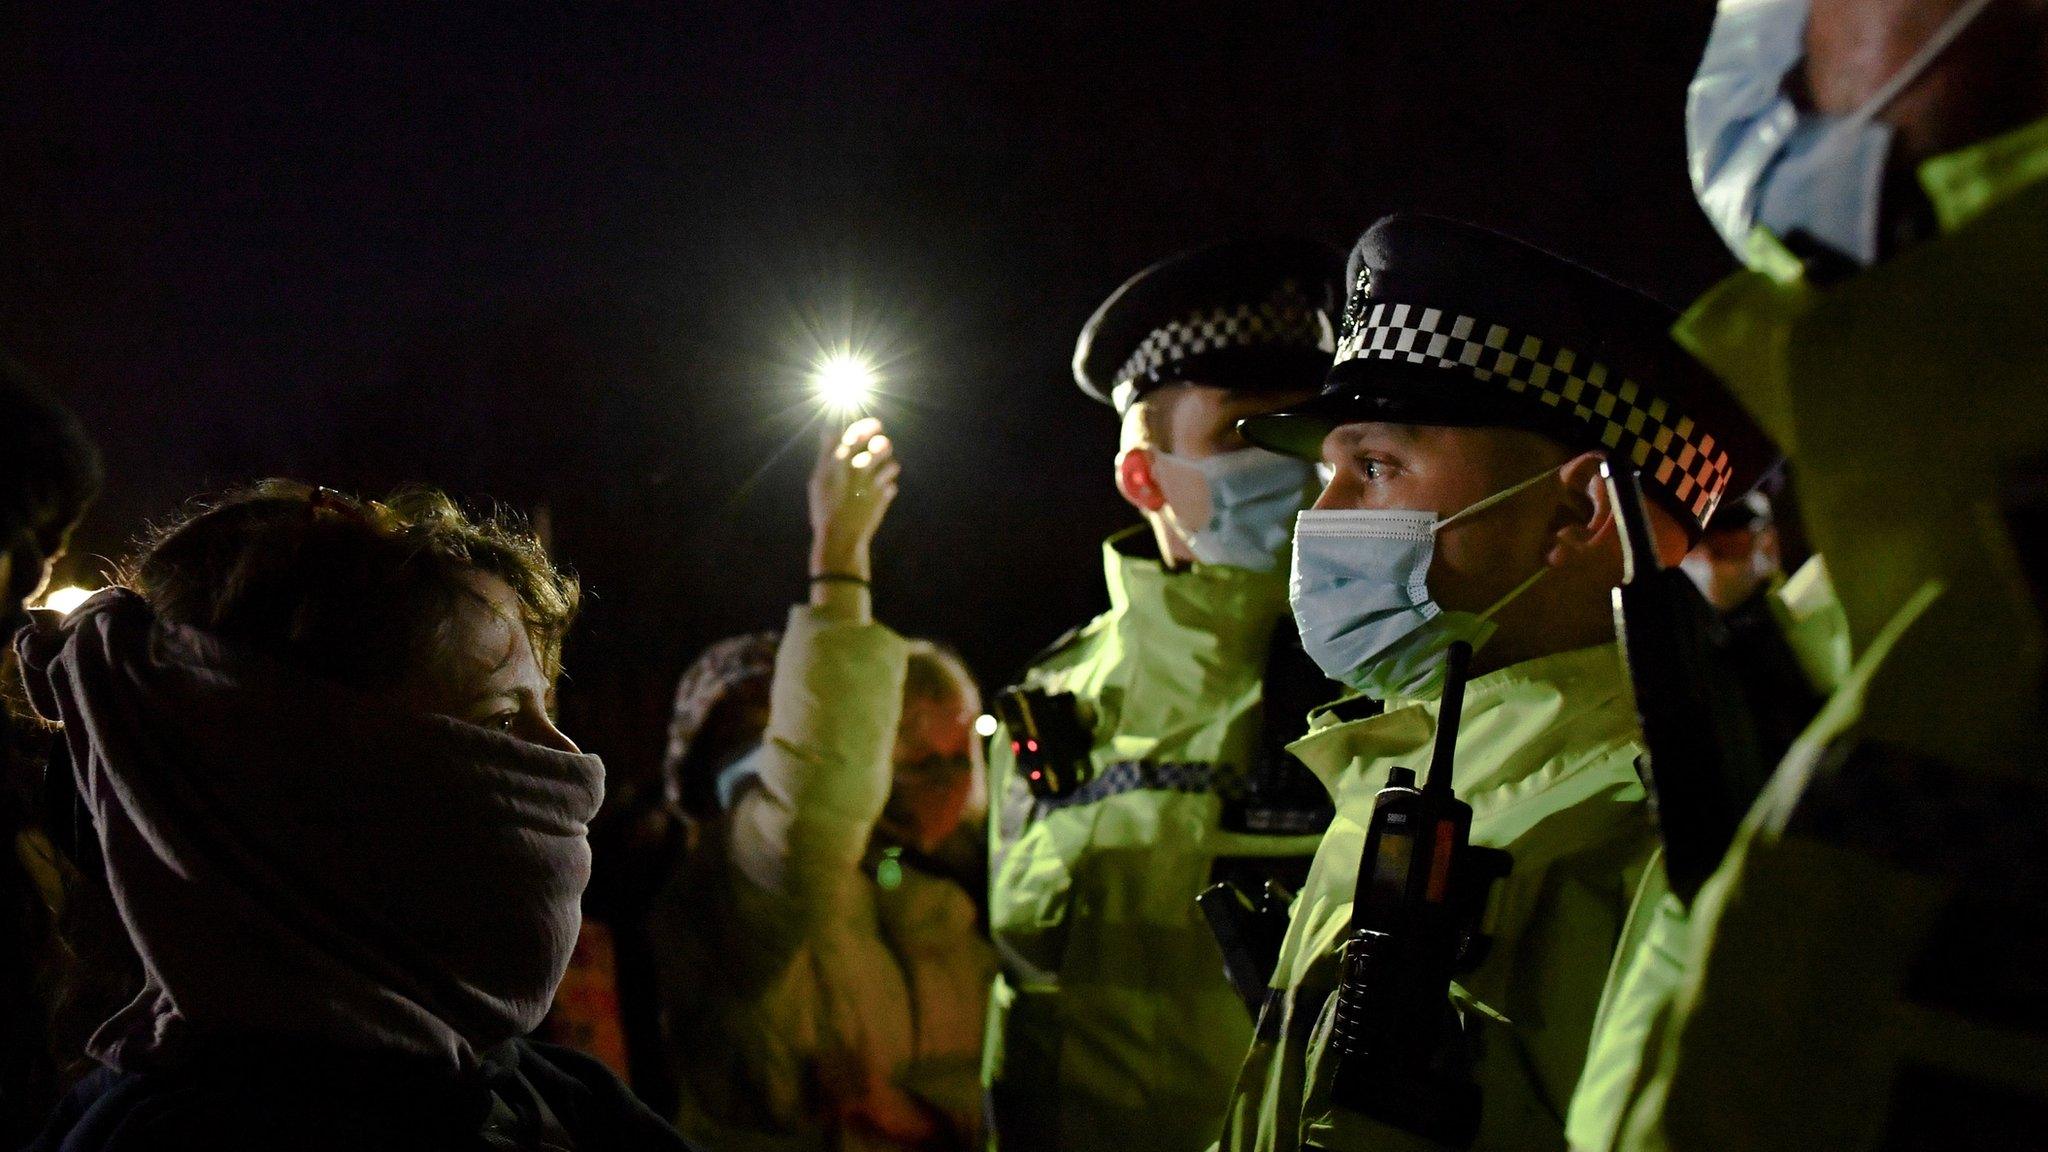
(359, 592)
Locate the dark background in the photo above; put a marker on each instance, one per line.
(577, 255)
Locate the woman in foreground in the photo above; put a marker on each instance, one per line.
(344, 836)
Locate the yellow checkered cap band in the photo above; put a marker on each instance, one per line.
(1287, 319)
(1671, 450)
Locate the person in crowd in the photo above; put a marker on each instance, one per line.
(1738, 560)
(822, 971)
(1784, 638)
(311, 737)
(1882, 170)
(1479, 386)
(49, 473)
(1153, 764)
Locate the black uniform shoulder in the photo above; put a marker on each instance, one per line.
(307, 1099)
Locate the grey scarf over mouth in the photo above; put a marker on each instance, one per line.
(295, 861)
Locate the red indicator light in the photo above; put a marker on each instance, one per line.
(1031, 744)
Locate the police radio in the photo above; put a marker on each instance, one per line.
(1397, 1042)
(1703, 760)
(1050, 739)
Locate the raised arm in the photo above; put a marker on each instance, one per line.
(799, 834)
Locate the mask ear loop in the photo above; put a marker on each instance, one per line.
(1515, 593)
(1860, 120)
(1909, 72)
(1499, 497)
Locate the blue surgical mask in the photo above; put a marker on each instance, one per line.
(735, 776)
(1253, 498)
(1360, 591)
(1757, 159)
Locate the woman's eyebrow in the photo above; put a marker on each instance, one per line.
(492, 695)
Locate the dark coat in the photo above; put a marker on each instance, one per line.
(261, 1098)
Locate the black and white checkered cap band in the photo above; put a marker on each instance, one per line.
(1287, 319)
(1145, 775)
(1666, 444)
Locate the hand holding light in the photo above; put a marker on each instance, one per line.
(851, 489)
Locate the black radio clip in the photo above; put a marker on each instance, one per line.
(1397, 1041)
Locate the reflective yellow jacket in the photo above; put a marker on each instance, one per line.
(1649, 964)
(1112, 1027)
(1834, 986)
(1546, 758)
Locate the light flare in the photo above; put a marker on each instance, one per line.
(65, 598)
(845, 382)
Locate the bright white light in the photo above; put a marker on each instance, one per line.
(984, 725)
(66, 599)
(845, 382)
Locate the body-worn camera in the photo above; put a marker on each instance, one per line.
(1050, 737)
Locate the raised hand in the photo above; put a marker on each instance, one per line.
(851, 489)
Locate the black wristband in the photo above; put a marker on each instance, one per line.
(838, 578)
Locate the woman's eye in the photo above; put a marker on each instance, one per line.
(502, 721)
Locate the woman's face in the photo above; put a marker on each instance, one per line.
(934, 770)
(487, 673)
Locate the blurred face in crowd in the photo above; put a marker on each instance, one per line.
(934, 771)
(1194, 421)
(487, 673)
(1992, 79)
(1731, 564)
(1561, 524)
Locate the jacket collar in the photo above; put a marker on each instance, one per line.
(1525, 726)
(1209, 606)
(1969, 182)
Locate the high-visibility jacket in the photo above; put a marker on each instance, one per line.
(1546, 758)
(1648, 966)
(1863, 969)
(1112, 1025)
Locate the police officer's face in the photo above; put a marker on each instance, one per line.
(1198, 421)
(1193, 422)
(1994, 77)
(1446, 470)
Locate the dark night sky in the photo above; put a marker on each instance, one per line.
(568, 253)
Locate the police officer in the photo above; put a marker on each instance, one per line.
(1141, 755)
(1479, 384)
(1864, 969)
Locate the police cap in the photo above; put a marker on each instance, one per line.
(1451, 324)
(1249, 315)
